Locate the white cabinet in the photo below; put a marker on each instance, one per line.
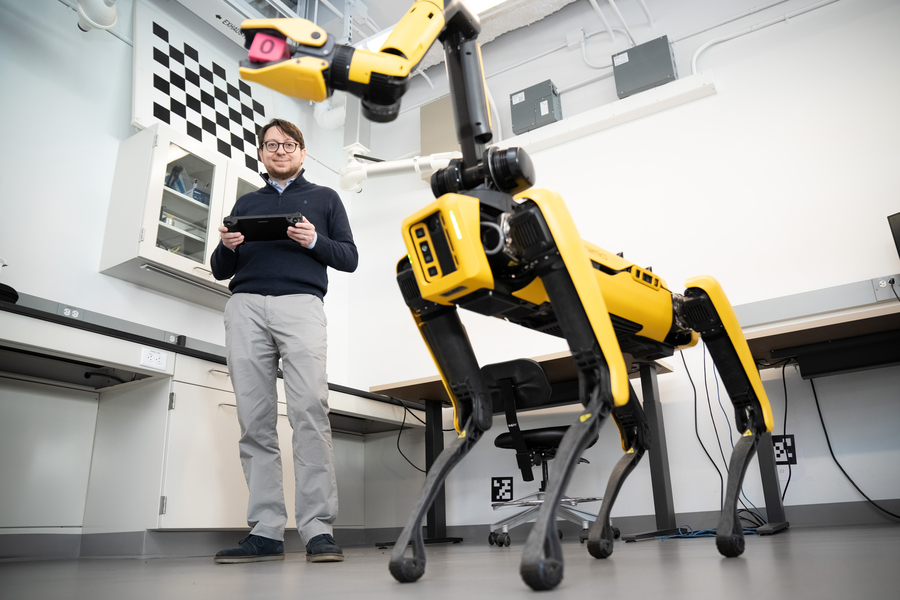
(203, 482)
(166, 205)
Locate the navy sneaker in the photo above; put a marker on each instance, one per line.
(253, 548)
(323, 548)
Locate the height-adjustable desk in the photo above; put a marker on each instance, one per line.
(563, 377)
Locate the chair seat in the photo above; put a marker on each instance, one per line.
(545, 438)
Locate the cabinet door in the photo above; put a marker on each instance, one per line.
(184, 200)
(203, 483)
(239, 181)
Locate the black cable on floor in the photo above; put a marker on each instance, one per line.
(872, 502)
(892, 288)
(697, 432)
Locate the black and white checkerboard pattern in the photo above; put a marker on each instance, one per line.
(501, 489)
(198, 96)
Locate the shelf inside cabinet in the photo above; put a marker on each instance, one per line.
(187, 208)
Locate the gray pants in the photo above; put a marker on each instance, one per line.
(259, 330)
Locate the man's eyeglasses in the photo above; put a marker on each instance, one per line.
(289, 147)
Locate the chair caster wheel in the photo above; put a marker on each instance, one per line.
(503, 540)
(559, 533)
(583, 536)
(492, 538)
(616, 533)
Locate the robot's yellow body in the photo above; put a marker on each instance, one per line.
(492, 244)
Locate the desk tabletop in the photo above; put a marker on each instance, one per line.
(816, 329)
(559, 367)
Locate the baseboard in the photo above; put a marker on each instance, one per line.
(30, 546)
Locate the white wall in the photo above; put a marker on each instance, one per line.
(778, 184)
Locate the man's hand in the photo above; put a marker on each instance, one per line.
(304, 233)
(231, 240)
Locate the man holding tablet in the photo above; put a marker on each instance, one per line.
(276, 311)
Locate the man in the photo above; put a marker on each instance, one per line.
(276, 311)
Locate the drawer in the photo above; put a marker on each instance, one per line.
(202, 372)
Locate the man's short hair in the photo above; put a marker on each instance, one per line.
(287, 127)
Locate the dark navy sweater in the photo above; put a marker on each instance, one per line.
(279, 268)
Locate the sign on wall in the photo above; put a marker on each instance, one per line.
(183, 82)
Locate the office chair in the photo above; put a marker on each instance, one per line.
(521, 385)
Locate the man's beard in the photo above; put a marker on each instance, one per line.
(285, 174)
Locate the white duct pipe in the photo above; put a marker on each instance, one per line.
(619, 16)
(331, 112)
(351, 176)
(602, 17)
(96, 14)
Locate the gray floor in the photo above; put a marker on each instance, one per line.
(821, 563)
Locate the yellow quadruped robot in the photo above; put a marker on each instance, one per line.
(493, 245)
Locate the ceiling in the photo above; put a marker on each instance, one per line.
(369, 17)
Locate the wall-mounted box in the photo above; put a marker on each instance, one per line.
(535, 107)
(643, 67)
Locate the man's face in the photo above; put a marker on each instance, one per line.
(280, 164)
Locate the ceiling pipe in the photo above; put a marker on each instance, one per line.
(352, 175)
(612, 4)
(602, 17)
(331, 112)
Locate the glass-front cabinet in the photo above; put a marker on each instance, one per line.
(169, 196)
(184, 218)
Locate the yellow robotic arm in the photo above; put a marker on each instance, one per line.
(299, 59)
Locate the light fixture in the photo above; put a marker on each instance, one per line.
(96, 14)
(375, 42)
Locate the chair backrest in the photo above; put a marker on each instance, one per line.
(517, 385)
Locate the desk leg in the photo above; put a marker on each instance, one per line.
(663, 504)
(436, 527)
(768, 471)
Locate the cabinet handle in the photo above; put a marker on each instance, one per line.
(202, 269)
(226, 373)
(154, 269)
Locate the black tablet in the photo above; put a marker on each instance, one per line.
(263, 228)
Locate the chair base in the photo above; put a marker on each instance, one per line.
(533, 502)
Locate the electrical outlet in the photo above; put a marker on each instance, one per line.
(883, 289)
(153, 358)
(785, 449)
(70, 311)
